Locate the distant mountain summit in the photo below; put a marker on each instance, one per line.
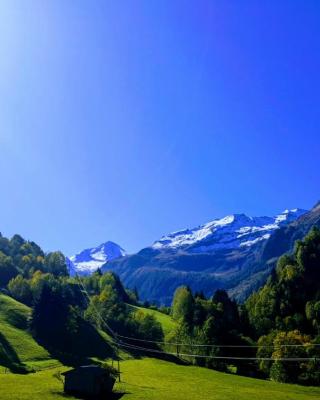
(233, 231)
(224, 253)
(89, 260)
(236, 253)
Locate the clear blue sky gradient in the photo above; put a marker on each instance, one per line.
(126, 120)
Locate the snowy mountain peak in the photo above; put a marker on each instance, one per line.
(89, 260)
(290, 215)
(232, 231)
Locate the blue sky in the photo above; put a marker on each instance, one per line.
(127, 120)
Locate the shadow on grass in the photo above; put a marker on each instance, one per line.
(111, 396)
(9, 358)
(80, 348)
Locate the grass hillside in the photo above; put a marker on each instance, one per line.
(167, 323)
(17, 347)
(159, 380)
(19, 350)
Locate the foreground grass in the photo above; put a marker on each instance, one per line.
(159, 380)
(37, 386)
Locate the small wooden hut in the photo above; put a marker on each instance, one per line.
(90, 381)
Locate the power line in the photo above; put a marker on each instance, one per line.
(218, 357)
(218, 345)
(113, 333)
(105, 323)
(119, 343)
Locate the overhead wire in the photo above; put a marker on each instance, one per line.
(219, 357)
(217, 345)
(113, 333)
(116, 339)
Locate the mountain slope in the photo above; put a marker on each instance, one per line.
(281, 241)
(89, 260)
(224, 253)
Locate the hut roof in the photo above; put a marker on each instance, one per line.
(87, 369)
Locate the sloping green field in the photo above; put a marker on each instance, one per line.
(165, 320)
(159, 380)
(17, 346)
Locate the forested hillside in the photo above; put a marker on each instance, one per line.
(286, 311)
(65, 312)
(275, 334)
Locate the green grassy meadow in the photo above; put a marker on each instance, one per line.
(159, 380)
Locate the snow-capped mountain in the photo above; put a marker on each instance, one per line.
(230, 232)
(89, 260)
(230, 253)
